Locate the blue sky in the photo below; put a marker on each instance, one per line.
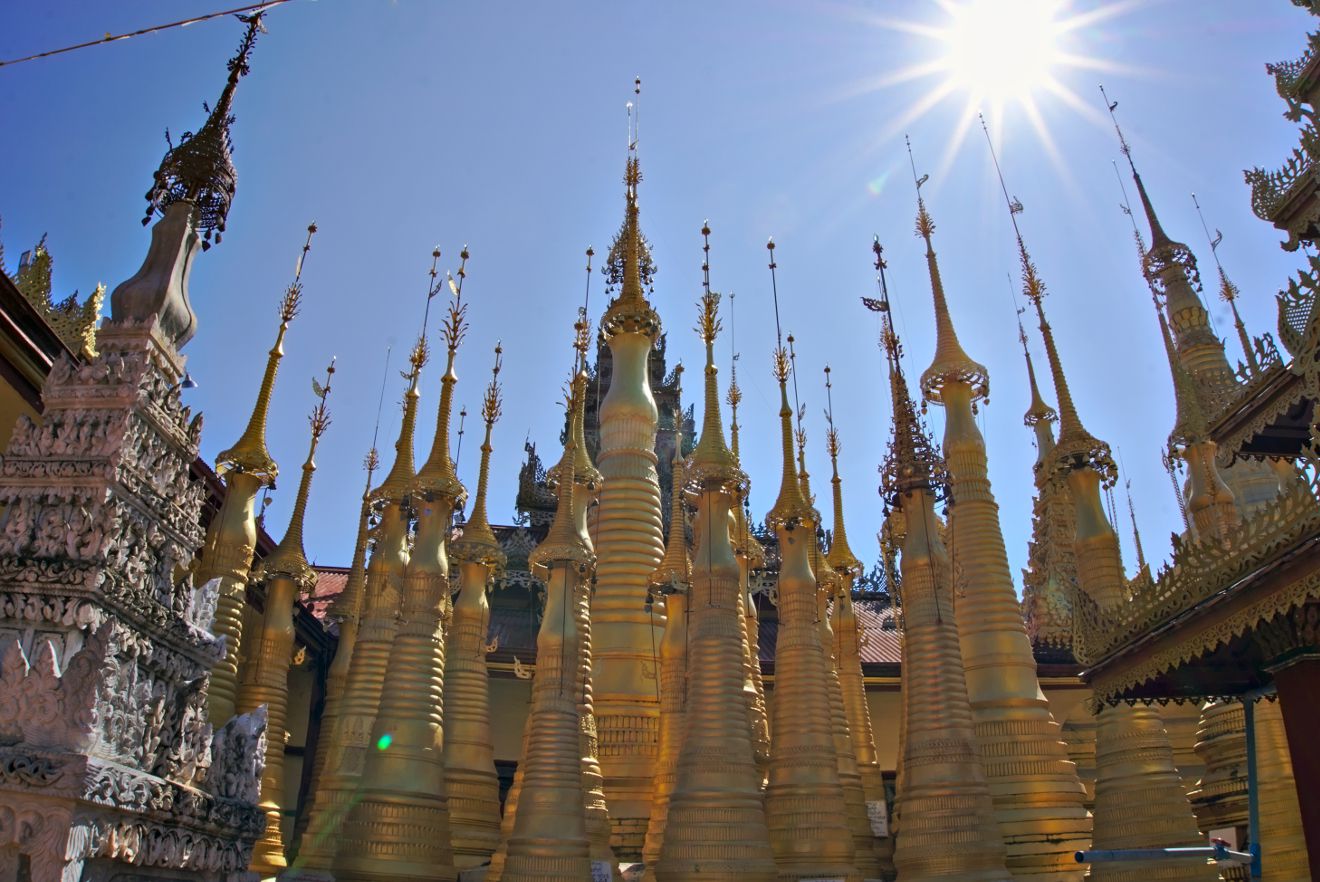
(400, 125)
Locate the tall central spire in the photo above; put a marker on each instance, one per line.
(1021, 745)
(629, 531)
(715, 825)
(474, 790)
(1171, 271)
(231, 537)
(1139, 799)
(944, 784)
(286, 575)
(805, 791)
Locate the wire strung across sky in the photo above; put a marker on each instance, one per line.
(112, 38)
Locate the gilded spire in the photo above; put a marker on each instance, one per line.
(734, 396)
(478, 542)
(1228, 291)
(841, 557)
(399, 481)
(289, 559)
(200, 168)
(951, 362)
(1075, 447)
(711, 460)
(438, 474)
(800, 433)
(1189, 427)
(790, 507)
(629, 263)
(1039, 412)
(911, 462)
(1169, 266)
(563, 542)
(249, 454)
(675, 570)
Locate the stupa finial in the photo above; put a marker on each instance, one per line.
(438, 475)
(289, 559)
(200, 168)
(790, 507)
(629, 265)
(398, 483)
(478, 542)
(841, 557)
(951, 362)
(711, 460)
(1228, 291)
(249, 454)
(1075, 447)
(1169, 266)
(911, 462)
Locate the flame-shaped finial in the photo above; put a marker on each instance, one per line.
(249, 454)
(790, 508)
(200, 168)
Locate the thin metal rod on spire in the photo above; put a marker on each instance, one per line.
(1122, 141)
(380, 405)
(919, 181)
(458, 454)
(432, 288)
(1213, 240)
(1014, 205)
(774, 290)
(1126, 204)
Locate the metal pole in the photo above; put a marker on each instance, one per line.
(1253, 795)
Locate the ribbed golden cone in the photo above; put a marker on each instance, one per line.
(1219, 798)
(549, 835)
(672, 579)
(231, 537)
(866, 857)
(398, 830)
(1037, 795)
(629, 538)
(947, 822)
(474, 789)
(810, 837)
(347, 610)
(348, 743)
(715, 827)
(286, 575)
(1139, 801)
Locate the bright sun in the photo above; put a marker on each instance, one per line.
(996, 56)
(1002, 50)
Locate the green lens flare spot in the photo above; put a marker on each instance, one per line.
(384, 741)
